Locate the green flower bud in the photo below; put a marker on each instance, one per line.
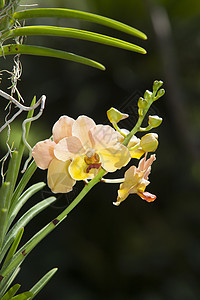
(156, 85)
(147, 95)
(149, 142)
(142, 103)
(154, 121)
(115, 115)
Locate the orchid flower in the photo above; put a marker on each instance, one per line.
(136, 180)
(58, 177)
(91, 147)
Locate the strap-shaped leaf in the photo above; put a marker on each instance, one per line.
(43, 51)
(42, 282)
(15, 208)
(7, 281)
(27, 217)
(14, 246)
(72, 33)
(76, 14)
(23, 296)
(12, 291)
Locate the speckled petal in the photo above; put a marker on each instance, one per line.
(43, 153)
(59, 179)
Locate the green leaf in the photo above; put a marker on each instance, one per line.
(27, 217)
(14, 245)
(15, 208)
(42, 282)
(4, 194)
(72, 33)
(43, 51)
(23, 182)
(69, 13)
(12, 291)
(7, 281)
(23, 296)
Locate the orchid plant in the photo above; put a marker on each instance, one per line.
(78, 150)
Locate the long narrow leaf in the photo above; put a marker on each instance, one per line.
(23, 182)
(70, 13)
(72, 33)
(14, 246)
(42, 282)
(43, 51)
(15, 208)
(7, 281)
(4, 194)
(27, 217)
(23, 296)
(12, 291)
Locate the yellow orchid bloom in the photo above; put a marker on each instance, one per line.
(136, 180)
(90, 147)
(58, 177)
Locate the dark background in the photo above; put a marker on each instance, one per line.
(137, 250)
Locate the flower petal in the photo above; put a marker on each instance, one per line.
(114, 158)
(59, 179)
(81, 129)
(68, 148)
(62, 128)
(43, 153)
(104, 136)
(147, 196)
(78, 169)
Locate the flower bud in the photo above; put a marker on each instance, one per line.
(154, 121)
(142, 103)
(147, 95)
(115, 115)
(149, 142)
(156, 85)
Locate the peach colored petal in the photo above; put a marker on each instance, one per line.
(68, 148)
(78, 169)
(104, 136)
(43, 153)
(62, 128)
(114, 158)
(59, 179)
(81, 128)
(147, 196)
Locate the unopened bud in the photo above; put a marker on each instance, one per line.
(115, 115)
(156, 85)
(147, 95)
(154, 121)
(142, 103)
(149, 142)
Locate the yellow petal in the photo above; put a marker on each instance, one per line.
(81, 129)
(78, 167)
(114, 158)
(136, 153)
(43, 153)
(59, 179)
(62, 128)
(104, 136)
(68, 148)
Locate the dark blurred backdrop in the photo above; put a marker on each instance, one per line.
(137, 250)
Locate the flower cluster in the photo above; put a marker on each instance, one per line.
(79, 149)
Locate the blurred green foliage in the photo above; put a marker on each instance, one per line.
(138, 250)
